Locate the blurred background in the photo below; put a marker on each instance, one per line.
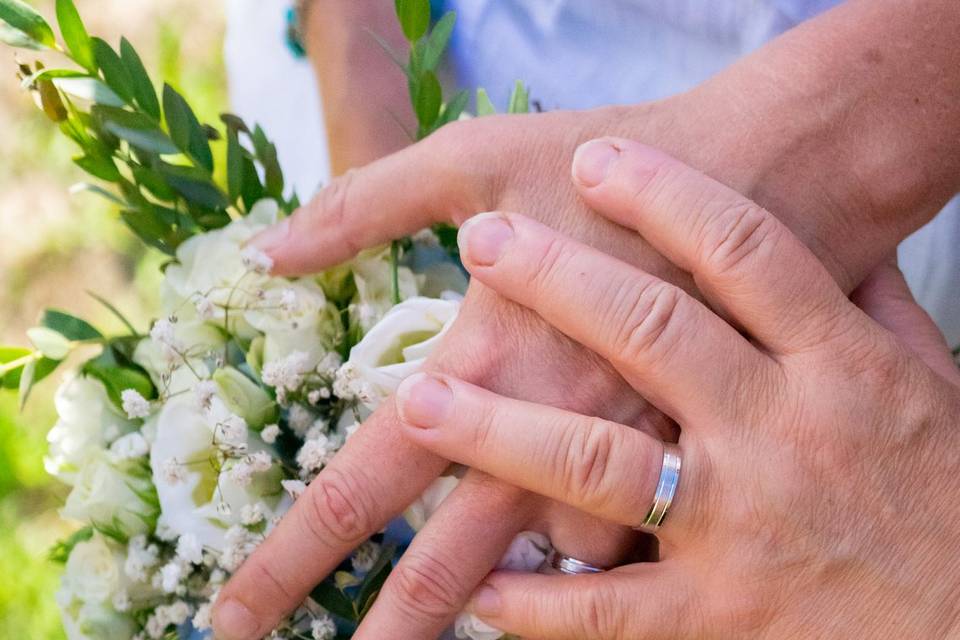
(55, 248)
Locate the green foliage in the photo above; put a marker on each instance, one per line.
(23, 18)
(414, 16)
(75, 35)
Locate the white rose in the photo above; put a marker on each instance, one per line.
(199, 500)
(94, 571)
(211, 265)
(526, 553)
(295, 316)
(103, 494)
(97, 621)
(373, 275)
(398, 345)
(87, 423)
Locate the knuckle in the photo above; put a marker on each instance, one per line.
(336, 512)
(647, 329)
(602, 617)
(426, 587)
(733, 235)
(546, 266)
(588, 460)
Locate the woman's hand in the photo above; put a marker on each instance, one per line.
(819, 490)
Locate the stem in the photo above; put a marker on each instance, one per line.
(395, 266)
(22, 361)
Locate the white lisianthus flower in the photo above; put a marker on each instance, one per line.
(94, 571)
(397, 346)
(129, 447)
(88, 423)
(373, 275)
(108, 495)
(96, 621)
(202, 500)
(181, 373)
(526, 553)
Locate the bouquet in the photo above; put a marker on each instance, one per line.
(185, 443)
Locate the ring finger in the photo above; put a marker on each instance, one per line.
(601, 467)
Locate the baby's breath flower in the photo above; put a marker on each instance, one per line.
(294, 487)
(314, 454)
(173, 471)
(365, 556)
(256, 260)
(323, 628)
(287, 372)
(270, 433)
(134, 404)
(189, 549)
(204, 391)
(251, 514)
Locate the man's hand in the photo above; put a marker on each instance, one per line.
(768, 141)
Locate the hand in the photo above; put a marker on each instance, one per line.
(818, 494)
(522, 163)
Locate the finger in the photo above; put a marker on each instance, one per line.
(342, 507)
(649, 601)
(387, 199)
(743, 259)
(885, 297)
(448, 558)
(606, 469)
(664, 342)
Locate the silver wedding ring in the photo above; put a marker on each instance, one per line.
(557, 562)
(666, 489)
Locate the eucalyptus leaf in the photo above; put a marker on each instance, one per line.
(234, 165)
(195, 187)
(428, 98)
(185, 130)
(75, 35)
(328, 596)
(146, 227)
(49, 342)
(375, 578)
(113, 70)
(438, 41)
(267, 154)
(17, 38)
(453, 109)
(414, 16)
(89, 89)
(24, 18)
(69, 325)
(154, 182)
(117, 373)
(99, 167)
(142, 88)
(136, 128)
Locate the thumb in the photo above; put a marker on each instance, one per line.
(885, 297)
(397, 195)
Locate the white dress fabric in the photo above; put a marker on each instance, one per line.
(573, 54)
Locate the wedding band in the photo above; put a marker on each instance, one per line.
(569, 565)
(666, 489)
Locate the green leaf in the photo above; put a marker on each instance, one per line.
(136, 128)
(114, 73)
(50, 343)
(49, 74)
(51, 102)
(484, 104)
(375, 578)
(438, 40)
(414, 16)
(98, 166)
(195, 187)
(142, 88)
(75, 35)
(453, 109)
(146, 227)
(10, 378)
(267, 154)
(117, 373)
(333, 600)
(428, 98)
(27, 380)
(24, 18)
(519, 99)
(234, 165)
(89, 89)
(154, 182)
(100, 191)
(185, 129)
(16, 38)
(68, 325)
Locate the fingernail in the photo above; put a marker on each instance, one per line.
(233, 621)
(483, 238)
(423, 401)
(272, 237)
(485, 602)
(592, 161)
